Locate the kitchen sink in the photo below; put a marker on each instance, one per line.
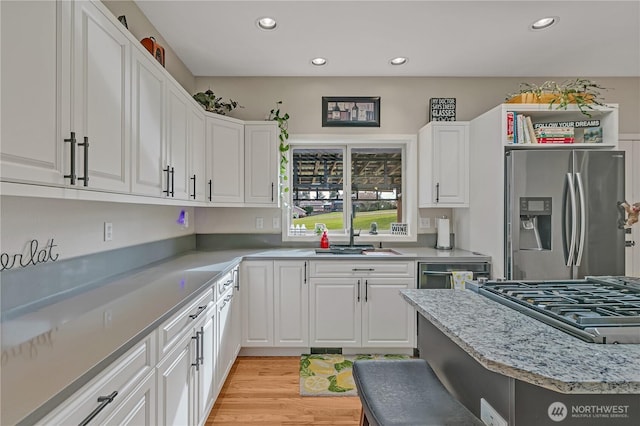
(365, 249)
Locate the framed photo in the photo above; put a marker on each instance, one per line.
(350, 111)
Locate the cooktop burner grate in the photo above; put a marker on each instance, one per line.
(589, 309)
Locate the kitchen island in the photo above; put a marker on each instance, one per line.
(522, 367)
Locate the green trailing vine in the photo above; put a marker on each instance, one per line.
(283, 125)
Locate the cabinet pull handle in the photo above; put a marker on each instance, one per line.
(173, 175)
(358, 290)
(168, 171)
(236, 279)
(363, 269)
(197, 363)
(210, 189)
(438, 192)
(194, 187)
(201, 345)
(85, 145)
(305, 271)
(272, 192)
(104, 401)
(366, 290)
(200, 310)
(72, 163)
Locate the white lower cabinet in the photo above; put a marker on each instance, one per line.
(176, 382)
(275, 297)
(186, 369)
(124, 391)
(359, 305)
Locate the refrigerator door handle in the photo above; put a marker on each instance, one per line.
(574, 219)
(583, 219)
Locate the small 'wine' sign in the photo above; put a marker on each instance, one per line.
(442, 109)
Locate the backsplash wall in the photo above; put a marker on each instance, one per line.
(77, 227)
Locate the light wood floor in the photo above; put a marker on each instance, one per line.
(266, 391)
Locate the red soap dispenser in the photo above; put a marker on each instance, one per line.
(324, 241)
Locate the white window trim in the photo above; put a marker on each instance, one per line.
(409, 144)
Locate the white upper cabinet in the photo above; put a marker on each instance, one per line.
(225, 159)
(101, 99)
(148, 87)
(443, 172)
(32, 146)
(261, 163)
(178, 155)
(198, 187)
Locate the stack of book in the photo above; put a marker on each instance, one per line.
(520, 129)
(555, 134)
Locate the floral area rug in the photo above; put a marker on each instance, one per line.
(330, 374)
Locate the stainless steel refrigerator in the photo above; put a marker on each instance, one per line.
(562, 213)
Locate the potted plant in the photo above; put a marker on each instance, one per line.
(582, 92)
(212, 103)
(283, 125)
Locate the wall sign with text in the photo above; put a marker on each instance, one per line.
(442, 109)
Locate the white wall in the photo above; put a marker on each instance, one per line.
(77, 226)
(141, 27)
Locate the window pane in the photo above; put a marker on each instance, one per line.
(317, 187)
(376, 188)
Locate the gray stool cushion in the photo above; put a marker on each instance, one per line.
(406, 392)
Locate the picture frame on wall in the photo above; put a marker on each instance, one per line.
(350, 111)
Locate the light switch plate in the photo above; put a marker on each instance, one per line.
(425, 222)
(259, 222)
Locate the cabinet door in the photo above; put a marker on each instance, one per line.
(236, 323)
(206, 373)
(257, 303)
(261, 164)
(176, 382)
(291, 303)
(178, 155)
(101, 100)
(387, 319)
(443, 148)
(148, 87)
(139, 408)
(32, 147)
(225, 331)
(198, 187)
(225, 160)
(334, 312)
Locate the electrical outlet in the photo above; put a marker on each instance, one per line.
(425, 222)
(108, 231)
(489, 415)
(259, 222)
(275, 224)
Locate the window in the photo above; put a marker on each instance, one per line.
(373, 175)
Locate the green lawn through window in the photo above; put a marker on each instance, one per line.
(363, 220)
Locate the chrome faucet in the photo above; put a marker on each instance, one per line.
(351, 230)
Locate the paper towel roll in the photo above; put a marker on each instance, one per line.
(444, 238)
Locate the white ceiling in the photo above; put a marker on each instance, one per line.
(440, 38)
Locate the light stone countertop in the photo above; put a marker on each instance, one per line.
(508, 342)
(70, 339)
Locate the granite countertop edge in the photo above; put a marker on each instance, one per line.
(541, 361)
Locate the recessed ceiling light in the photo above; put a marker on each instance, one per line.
(319, 61)
(398, 61)
(543, 23)
(267, 23)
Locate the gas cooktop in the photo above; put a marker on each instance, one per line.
(595, 309)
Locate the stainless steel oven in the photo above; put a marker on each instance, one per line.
(438, 275)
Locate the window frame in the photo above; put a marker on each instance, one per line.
(409, 147)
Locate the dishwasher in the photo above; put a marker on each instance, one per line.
(439, 275)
